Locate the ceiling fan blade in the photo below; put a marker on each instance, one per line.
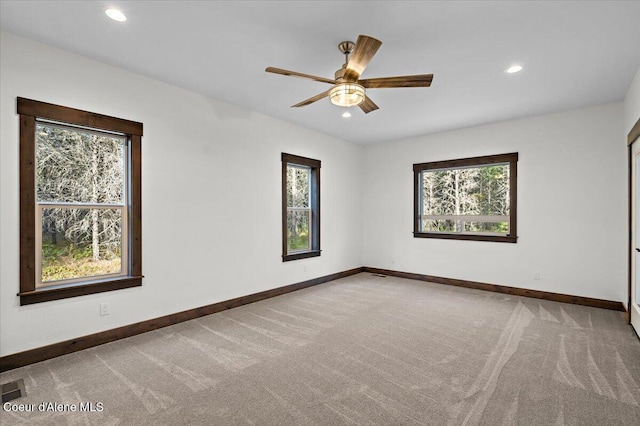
(421, 80)
(311, 100)
(368, 105)
(299, 74)
(362, 54)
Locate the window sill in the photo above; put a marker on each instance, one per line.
(303, 255)
(56, 293)
(467, 237)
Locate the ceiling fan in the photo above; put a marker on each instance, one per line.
(348, 90)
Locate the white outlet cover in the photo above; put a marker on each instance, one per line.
(104, 309)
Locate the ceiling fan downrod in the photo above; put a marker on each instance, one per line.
(346, 47)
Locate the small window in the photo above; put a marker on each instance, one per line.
(80, 202)
(300, 207)
(467, 199)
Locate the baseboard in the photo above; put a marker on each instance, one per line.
(557, 297)
(9, 362)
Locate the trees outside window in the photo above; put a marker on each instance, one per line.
(80, 223)
(300, 207)
(469, 199)
(80, 202)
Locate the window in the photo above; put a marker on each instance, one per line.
(467, 199)
(80, 209)
(300, 207)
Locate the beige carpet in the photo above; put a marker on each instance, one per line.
(360, 350)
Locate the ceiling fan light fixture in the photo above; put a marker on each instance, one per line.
(347, 94)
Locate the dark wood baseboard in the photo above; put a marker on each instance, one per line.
(9, 362)
(557, 297)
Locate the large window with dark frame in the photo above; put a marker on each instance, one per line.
(80, 222)
(300, 207)
(467, 199)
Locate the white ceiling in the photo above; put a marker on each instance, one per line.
(575, 54)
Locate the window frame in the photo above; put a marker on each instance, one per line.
(29, 111)
(314, 195)
(510, 158)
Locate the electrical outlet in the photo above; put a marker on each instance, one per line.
(306, 268)
(104, 309)
(536, 276)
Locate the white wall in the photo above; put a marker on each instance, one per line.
(571, 205)
(211, 199)
(632, 104)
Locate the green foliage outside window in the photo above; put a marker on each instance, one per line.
(298, 207)
(482, 191)
(75, 166)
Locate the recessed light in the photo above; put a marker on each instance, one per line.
(116, 15)
(513, 69)
(346, 114)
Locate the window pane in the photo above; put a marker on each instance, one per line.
(298, 235)
(481, 190)
(80, 242)
(76, 165)
(429, 225)
(466, 225)
(298, 185)
(494, 227)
